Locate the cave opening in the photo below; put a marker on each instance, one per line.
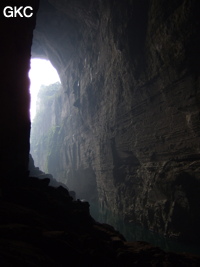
(70, 149)
(125, 70)
(41, 73)
(44, 84)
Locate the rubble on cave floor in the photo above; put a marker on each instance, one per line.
(43, 226)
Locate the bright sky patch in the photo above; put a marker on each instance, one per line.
(41, 73)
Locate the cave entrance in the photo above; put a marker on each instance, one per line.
(41, 73)
(44, 82)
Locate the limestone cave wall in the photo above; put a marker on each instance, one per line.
(128, 117)
(15, 48)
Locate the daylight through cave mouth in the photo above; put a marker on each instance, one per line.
(44, 85)
(42, 73)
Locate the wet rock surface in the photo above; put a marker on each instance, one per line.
(127, 120)
(42, 226)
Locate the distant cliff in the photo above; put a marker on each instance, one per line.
(48, 136)
(45, 126)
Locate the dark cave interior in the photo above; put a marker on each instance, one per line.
(122, 132)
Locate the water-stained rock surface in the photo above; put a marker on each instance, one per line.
(127, 118)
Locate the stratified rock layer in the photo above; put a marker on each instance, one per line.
(128, 115)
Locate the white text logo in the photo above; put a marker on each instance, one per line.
(13, 12)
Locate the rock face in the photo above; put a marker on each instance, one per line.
(15, 46)
(127, 120)
(42, 226)
(46, 125)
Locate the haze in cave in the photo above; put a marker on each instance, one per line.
(41, 73)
